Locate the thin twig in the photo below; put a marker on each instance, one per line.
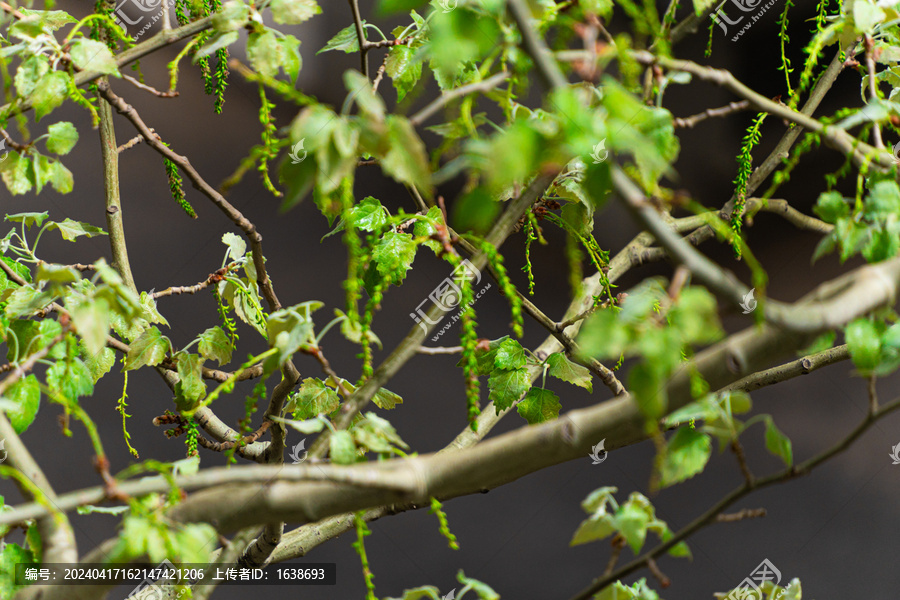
(147, 88)
(439, 350)
(730, 108)
(747, 513)
(447, 97)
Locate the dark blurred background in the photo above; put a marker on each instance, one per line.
(831, 529)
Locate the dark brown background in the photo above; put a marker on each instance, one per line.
(832, 529)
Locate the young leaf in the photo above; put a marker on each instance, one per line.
(71, 378)
(50, 92)
(342, 448)
(91, 55)
(190, 386)
(265, 53)
(403, 69)
(778, 444)
(26, 395)
(394, 255)
(562, 368)
(507, 387)
(313, 398)
(99, 364)
(686, 455)
(293, 12)
(63, 137)
(369, 215)
(215, 345)
(346, 40)
(91, 319)
(69, 229)
(539, 405)
(864, 343)
(149, 349)
(406, 159)
(510, 355)
(237, 247)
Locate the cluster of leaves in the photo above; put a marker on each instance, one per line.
(874, 346)
(632, 520)
(689, 449)
(507, 366)
(482, 591)
(870, 226)
(12, 554)
(651, 325)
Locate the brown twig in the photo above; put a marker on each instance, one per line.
(439, 350)
(747, 513)
(147, 88)
(731, 107)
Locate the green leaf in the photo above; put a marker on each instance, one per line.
(864, 343)
(60, 177)
(632, 521)
(291, 62)
(14, 172)
(353, 331)
(369, 215)
(91, 55)
(539, 405)
(190, 386)
(342, 448)
(603, 8)
(778, 444)
(648, 389)
(687, 453)
(510, 355)
(11, 555)
(386, 399)
(346, 40)
(866, 15)
(831, 206)
(313, 398)
(394, 255)
(99, 364)
(29, 73)
(50, 92)
(25, 300)
(475, 211)
(265, 53)
(603, 335)
(599, 526)
(420, 593)
(426, 229)
(28, 218)
(363, 93)
(507, 387)
(406, 160)
(233, 16)
(403, 69)
(484, 357)
(483, 590)
(149, 349)
(881, 246)
(215, 345)
(26, 395)
(293, 12)
(70, 229)
(376, 434)
(71, 378)
(563, 368)
(695, 316)
(91, 319)
(237, 247)
(63, 137)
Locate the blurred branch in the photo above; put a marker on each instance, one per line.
(714, 513)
